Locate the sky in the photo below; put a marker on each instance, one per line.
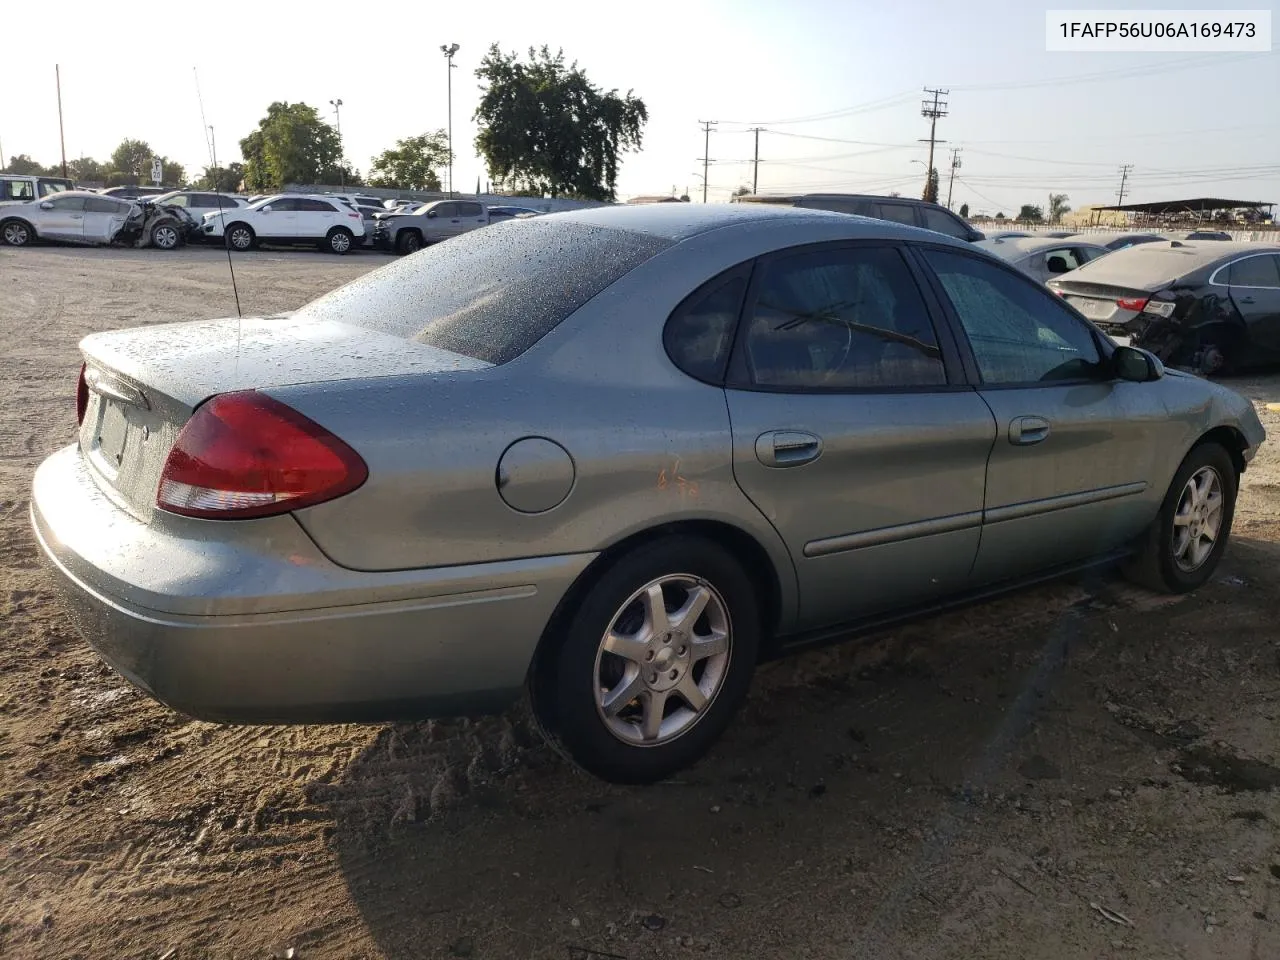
(836, 86)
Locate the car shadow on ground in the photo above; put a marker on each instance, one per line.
(865, 794)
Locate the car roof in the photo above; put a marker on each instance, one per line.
(1106, 236)
(680, 221)
(1148, 265)
(1010, 247)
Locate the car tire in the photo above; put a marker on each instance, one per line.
(339, 240)
(1182, 547)
(166, 235)
(408, 241)
(240, 236)
(16, 233)
(631, 695)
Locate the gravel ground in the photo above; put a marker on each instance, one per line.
(1081, 771)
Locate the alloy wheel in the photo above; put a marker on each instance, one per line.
(1198, 519)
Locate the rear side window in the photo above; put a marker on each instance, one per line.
(1261, 271)
(19, 190)
(943, 222)
(489, 294)
(106, 205)
(897, 212)
(68, 203)
(314, 206)
(470, 210)
(445, 209)
(700, 332)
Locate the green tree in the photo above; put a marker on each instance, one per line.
(1058, 207)
(87, 169)
(411, 164)
(930, 194)
(742, 191)
(23, 165)
(1000, 215)
(132, 159)
(546, 127)
(964, 211)
(224, 179)
(1030, 213)
(291, 145)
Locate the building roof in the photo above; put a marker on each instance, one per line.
(1195, 205)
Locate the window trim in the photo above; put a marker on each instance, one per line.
(742, 271)
(1105, 346)
(1213, 277)
(738, 376)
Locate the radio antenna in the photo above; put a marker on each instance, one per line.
(212, 143)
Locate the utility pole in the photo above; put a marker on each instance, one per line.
(755, 164)
(448, 52)
(932, 110)
(706, 153)
(57, 72)
(955, 165)
(337, 119)
(1124, 176)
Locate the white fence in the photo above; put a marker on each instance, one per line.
(990, 227)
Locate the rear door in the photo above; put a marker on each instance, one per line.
(1255, 291)
(895, 211)
(853, 431)
(471, 215)
(103, 218)
(62, 218)
(1074, 446)
(317, 217)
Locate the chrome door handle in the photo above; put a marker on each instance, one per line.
(1024, 431)
(787, 448)
(77, 216)
(1246, 299)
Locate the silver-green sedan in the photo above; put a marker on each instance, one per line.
(610, 458)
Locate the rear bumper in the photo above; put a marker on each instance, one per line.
(231, 630)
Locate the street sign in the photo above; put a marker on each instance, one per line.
(157, 170)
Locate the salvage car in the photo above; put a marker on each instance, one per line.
(1212, 305)
(76, 216)
(408, 232)
(1043, 257)
(288, 219)
(611, 457)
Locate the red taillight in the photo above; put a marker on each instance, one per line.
(82, 396)
(1136, 304)
(245, 455)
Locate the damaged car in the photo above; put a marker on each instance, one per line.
(83, 217)
(1211, 306)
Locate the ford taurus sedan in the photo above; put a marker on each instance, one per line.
(611, 457)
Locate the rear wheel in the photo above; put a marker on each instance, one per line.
(16, 233)
(1183, 546)
(408, 241)
(240, 236)
(650, 667)
(339, 240)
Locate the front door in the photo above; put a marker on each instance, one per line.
(853, 434)
(279, 219)
(62, 218)
(1255, 291)
(1074, 446)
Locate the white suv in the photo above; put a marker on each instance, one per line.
(289, 219)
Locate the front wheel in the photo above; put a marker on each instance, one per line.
(1183, 546)
(650, 667)
(408, 241)
(240, 237)
(339, 240)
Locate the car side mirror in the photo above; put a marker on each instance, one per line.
(1136, 365)
(46, 205)
(430, 214)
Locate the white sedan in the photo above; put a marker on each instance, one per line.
(288, 219)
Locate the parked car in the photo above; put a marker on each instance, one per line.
(134, 192)
(507, 212)
(430, 223)
(411, 497)
(1210, 305)
(1199, 235)
(916, 213)
(85, 217)
(288, 219)
(1118, 240)
(20, 188)
(199, 202)
(1057, 234)
(1008, 235)
(1043, 257)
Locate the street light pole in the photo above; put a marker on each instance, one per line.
(337, 117)
(448, 51)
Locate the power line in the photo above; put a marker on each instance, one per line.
(932, 111)
(869, 107)
(1124, 176)
(1135, 70)
(706, 153)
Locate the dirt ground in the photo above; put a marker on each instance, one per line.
(1082, 771)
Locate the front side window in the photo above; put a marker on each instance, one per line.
(1019, 332)
(848, 318)
(106, 205)
(67, 203)
(1255, 272)
(445, 210)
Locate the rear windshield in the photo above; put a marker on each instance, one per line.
(492, 293)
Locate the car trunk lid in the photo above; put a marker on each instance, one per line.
(145, 383)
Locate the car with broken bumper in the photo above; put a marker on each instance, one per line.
(609, 459)
(84, 217)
